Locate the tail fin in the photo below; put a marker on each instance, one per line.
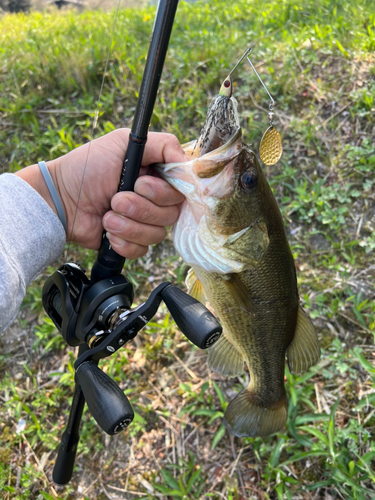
(245, 416)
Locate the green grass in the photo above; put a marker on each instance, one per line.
(317, 59)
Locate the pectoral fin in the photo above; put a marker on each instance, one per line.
(238, 292)
(195, 287)
(304, 351)
(250, 244)
(224, 358)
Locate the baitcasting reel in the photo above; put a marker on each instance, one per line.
(98, 317)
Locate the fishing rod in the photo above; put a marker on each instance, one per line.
(95, 313)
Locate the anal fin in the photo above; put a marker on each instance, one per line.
(224, 358)
(304, 350)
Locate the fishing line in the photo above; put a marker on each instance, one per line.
(248, 50)
(270, 145)
(264, 37)
(221, 100)
(260, 13)
(94, 125)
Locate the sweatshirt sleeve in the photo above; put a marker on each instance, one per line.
(31, 238)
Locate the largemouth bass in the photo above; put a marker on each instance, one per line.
(230, 231)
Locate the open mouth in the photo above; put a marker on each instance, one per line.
(213, 162)
(181, 175)
(218, 144)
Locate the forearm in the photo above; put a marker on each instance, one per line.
(31, 237)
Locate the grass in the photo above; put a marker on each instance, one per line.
(317, 59)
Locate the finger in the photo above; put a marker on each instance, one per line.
(132, 231)
(140, 209)
(125, 248)
(158, 191)
(163, 148)
(149, 170)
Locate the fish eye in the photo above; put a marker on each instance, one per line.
(249, 180)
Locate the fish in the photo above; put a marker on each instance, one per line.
(231, 233)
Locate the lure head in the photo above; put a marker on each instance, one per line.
(226, 88)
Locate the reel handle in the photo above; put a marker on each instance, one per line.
(193, 318)
(106, 401)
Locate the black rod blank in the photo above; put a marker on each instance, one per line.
(108, 262)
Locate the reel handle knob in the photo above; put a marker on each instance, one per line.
(194, 320)
(106, 401)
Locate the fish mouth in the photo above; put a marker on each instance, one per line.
(190, 147)
(205, 166)
(212, 163)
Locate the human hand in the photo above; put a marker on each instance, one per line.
(133, 220)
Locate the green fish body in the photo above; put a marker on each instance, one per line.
(230, 231)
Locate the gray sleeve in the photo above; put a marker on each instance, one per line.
(31, 237)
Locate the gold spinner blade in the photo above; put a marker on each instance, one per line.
(271, 148)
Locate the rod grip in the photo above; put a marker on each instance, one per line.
(106, 401)
(132, 162)
(108, 263)
(63, 469)
(193, 318)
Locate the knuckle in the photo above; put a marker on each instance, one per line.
(135, 232)
(172, 139)
(147, 216)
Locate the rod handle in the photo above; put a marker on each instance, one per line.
(109, 263)
(63, 469)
